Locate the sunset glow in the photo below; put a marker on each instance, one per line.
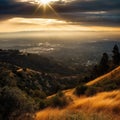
(70, 15)
(38, 24)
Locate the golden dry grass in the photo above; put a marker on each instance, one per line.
(49, 114)
(106, 102)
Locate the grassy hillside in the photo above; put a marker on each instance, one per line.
(104, 105)
(107, 82)
(113, 75)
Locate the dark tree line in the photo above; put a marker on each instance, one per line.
(116, 55)
(105, 63)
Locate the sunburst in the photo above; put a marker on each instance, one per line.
(46, 4)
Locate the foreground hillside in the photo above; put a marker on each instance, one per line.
(103, 105)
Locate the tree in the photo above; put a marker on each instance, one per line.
(59, 100)
(116, 55)
(103, 67)
(91, 91)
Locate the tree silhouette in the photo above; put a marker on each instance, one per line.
(116, 55)
(103, 66)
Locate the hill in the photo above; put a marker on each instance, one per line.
(113, 75)
(103, 105)
(107, 82)
(21, 86)
(27, 79)
(24, 90)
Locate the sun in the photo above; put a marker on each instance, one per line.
(46, 5)
(44, 2)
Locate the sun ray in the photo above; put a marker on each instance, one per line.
(37, 8)
(53, 10)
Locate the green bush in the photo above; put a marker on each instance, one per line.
(80, 90)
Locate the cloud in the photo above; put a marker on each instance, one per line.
(86, 12)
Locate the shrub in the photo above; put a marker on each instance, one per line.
(39, 94)
(80, 90)
(42, 104)
(59, 100)
(111, 86)
(14, 102)
(91, 91)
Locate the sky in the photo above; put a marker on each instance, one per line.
(68, 15)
